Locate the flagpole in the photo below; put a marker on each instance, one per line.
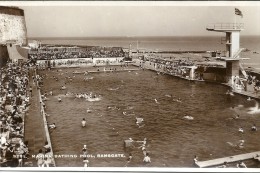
(235, 21)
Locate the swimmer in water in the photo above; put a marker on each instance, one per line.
(83, 122)
(129, 159)
(86, 162)
(147, 159)
(241, 130)
(188, 117)
(241, 143)
(156, 101)
(168, 95)
(253, 128)
(143, 149)
(84, 149)
(178, 100)
(195, 159)
(139, 120)
(143, 143)
(88, 110)
(235, 116)
(131, 140)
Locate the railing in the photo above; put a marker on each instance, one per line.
(225, 26)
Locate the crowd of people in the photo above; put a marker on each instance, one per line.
(14, 102)
(252, 80)
(89, 52)
(176, 67)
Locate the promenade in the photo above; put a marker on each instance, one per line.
(34, 127)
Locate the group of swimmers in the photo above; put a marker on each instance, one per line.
(87, 96)
(253, 128)
(146, 158)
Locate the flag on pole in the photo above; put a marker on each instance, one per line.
(238, 12)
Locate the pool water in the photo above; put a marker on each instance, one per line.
(172, 141)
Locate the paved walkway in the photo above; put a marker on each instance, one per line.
(34, 127)
(229, 159)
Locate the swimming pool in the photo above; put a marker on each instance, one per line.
(172, 140)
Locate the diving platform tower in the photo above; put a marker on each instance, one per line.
(233, 50)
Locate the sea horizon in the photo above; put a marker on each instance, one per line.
(128, 37)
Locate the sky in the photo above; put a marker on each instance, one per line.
(136, 18)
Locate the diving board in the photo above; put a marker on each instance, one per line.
(220, 161)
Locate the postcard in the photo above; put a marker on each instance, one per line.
(129, 86)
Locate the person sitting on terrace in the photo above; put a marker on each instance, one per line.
(241, 165)
(46, 146)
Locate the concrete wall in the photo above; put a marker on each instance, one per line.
(22, 51)
(235, 40)
(215, 74)
(232, 69)
(12, 26)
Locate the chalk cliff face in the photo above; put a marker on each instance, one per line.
(12, 30)
(12, 26)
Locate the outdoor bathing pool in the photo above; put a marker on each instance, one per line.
(172, 141)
